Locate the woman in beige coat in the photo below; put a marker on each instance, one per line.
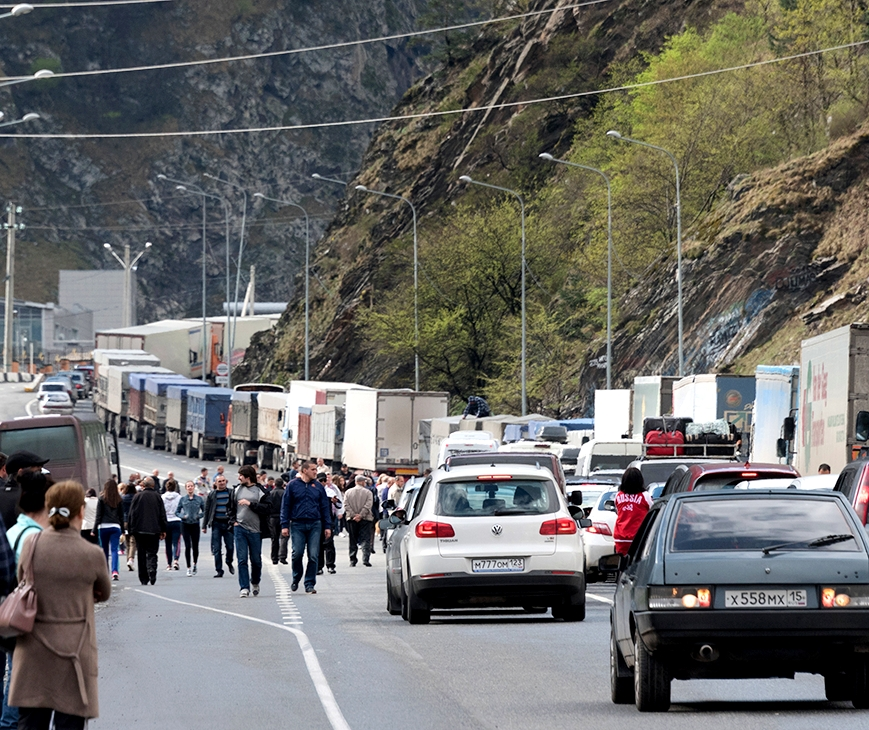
(55, 667)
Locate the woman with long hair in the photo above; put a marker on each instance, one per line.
(190, 509)
(173, 524)
(55, 667)
(632, 505)
(90, 514)
(108, 522)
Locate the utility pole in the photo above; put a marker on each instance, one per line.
(11, 227)
(128, 288)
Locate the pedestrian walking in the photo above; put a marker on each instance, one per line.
(336, 501)
(10, 493)
(54, 677)
(191, 509)
(220, 517)
(32, 520)
(107, 524)
(632, 505)
(279, 542)
(171, 498)
(219, 472)
(147, 521)
(90, 514)
(251, 505)
(129, 540)
(307, 507)
(375, 508)
(359, 516)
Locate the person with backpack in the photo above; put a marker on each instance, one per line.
(107, 523)
(171, 498)
(252, 504)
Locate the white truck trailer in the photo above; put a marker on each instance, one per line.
(777, 397)
(381, 428)
(834, 390)
(116, 411)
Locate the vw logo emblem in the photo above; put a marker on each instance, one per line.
(497, 529)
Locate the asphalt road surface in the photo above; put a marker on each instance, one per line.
(189, 653)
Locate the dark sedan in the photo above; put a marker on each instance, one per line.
(759, 584)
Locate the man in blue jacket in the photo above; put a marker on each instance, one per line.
(306, 514)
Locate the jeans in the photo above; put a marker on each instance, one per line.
(359, 534)
(221, 530)
(148, 546)
(248, 542)
(109, 539)
(9, 719)
(279, 542)
(190, 532)
(305, 534)
(173, 541)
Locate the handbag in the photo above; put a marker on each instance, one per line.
(18, 610)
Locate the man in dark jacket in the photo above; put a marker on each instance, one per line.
(307, 507)
(147, 524)
(220, 510)
(279, 542)
(10, 492)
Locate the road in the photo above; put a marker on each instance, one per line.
(189, 653)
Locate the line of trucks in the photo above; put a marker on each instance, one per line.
(806, 415)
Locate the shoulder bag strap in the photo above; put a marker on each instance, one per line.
(28, 568)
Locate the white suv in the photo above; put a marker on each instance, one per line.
(492, 536)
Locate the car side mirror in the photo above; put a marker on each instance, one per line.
(385, 524)
(789, 428)
(614, 563)
(575, 497)
(781, 448)
(389, 504)
(575, 511)
(584, 523)
(610, 505)
(861, 430)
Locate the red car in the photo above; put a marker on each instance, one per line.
(726, 475)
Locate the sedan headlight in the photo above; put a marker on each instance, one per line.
(680, 597)
(845, 597)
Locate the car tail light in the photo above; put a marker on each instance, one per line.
(599, 528)
(434, 529)
(561, 526)
(845, 597)
(492, 477)
(680, 597)
(749, 474)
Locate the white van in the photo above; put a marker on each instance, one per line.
(466, 442)
(596, 455)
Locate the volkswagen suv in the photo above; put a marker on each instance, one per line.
(492, 535)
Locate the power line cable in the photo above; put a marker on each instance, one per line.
(446, 112)
(95, 4)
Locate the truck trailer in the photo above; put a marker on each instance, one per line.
(777, 395)
(115, 414)
(175, 441)
(207, 414)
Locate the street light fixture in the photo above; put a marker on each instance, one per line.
(307, 277)
(609, 259)
(364, 189)
(616, 135)
(41, 74)
(20, 9)
(467, 179)
(317, 176)
(128, 266)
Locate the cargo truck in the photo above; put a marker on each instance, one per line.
(271, 435)
(175, 441)
(327, 433)
(116, 410)
(155, 409)
(653, 396)
(137, 427)
(207, 415)
(834, 398)
(381, 428)
(710, 397)
(103, 359)
(776, 404)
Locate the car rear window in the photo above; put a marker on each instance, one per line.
(740, 480)
(492, 497)
(610, 461)
(753, 524)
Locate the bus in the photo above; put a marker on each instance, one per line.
(77, 447)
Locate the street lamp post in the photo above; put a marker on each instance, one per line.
(616, 135)
(469, 180)
(307, 277)
(609, 259)
(364, 189)
(43, 73)
(128, 267)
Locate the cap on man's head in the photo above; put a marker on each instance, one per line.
(23, 460)
(360, 479)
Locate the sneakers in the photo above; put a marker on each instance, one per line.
(367, 565)
(175, 566)
(168, 567)
(115, 575)
(189, 572)
(230, 568)
(353, 564)
(219, 575)
(294, 587)
(194, 569)
(320, 571)
(243, 593)
(129, 565)
(255, 588)
(331, 571)
(310, 590)
(283, 561)
(274, 562)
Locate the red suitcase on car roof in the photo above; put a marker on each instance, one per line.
(667, 443)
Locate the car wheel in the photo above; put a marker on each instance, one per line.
(403, 602)
(415, 615)
(621, 677)
(860, 686)
(569, 612)
(591, 577)
(392, 606)
(837, 687)
(651, 681)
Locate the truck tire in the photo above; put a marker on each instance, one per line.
(230, 451)
(651, 681)
(189, 450)
(277, 459)
(261, 457)
(148, 437)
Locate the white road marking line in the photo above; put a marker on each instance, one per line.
(595, 597)
(321, 685)
(29, 405)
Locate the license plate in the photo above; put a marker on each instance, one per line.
(498, 565)
(766, 598)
